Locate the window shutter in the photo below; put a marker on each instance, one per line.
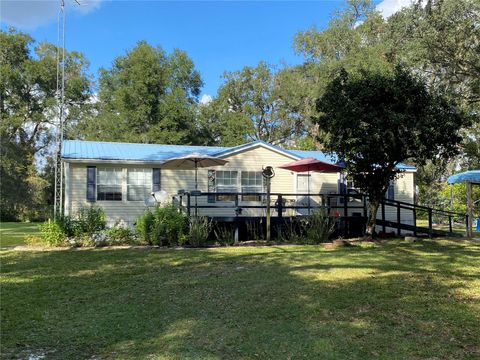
(156, 179)
(342, 184)
(211, 186)
(342, 187)
(391, 191)
(91, 183)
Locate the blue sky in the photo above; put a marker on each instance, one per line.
(218, 36)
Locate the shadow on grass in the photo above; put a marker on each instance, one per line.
(395, 300)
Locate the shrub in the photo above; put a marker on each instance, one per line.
(52, 233)
(291, 231)
(318, 227)
(89, 220)
(224, 234)
(170, 226)
(67, 224)
(144, 226)
(165, 226)
(255, 230)
(199, 230)
(119, 235)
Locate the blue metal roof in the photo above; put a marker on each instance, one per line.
(99, 150)
(472, 176)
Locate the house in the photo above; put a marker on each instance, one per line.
(120, 177)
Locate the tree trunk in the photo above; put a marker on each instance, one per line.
(373, 205)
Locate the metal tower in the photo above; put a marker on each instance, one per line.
(60, 93)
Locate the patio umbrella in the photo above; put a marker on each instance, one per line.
(194, 160)
(311, 164)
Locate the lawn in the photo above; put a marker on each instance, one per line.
(393, 300)
(14, 233)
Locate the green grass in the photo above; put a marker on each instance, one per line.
(15, 233)
(456, 227)
(394, 300)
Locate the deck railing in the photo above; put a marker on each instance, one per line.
(344, 206)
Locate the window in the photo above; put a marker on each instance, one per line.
(139, 184)
(304, 182)
(109, 186)
(226, 181)
(252, 181)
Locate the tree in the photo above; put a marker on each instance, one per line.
(440, 39)
(147, 96)
(251, 105)
(29, 113)
(374, 121)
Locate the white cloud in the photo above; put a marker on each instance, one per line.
(205, 99)
(29, 14)
(389, 7)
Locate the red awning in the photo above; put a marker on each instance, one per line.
(311, 164)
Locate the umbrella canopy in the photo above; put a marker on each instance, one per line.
(194, 160)
(311, 164)
(472, 176)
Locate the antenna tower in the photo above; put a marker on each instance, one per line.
(58, 201)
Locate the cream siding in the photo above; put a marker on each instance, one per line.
(172, 180)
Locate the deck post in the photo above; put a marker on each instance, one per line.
(414, 221)
(268, 209)
(365, 214)
(398, 219)
(280, 215)
(430, 223)
(384, 228)
(469, 210)
(280, 206)
(450, 227)
(236, 238)
(345, 214)
(467, 223)
(188, 204)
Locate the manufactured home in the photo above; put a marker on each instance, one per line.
(120, 178)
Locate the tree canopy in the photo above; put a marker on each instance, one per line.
(29, 113)
(374, 121)
(252, 105)
(147, 96)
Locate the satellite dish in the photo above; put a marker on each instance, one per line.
(150, 202)
(160, 196)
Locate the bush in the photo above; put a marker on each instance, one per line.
(144, 226)
(318, 227)
(224, 234)
(89, 220)
(200, 227)
(67, 224)
(119, 235)
(170, 226)
(255, 230)
(52, 233)
(165, 226)
(291, 231)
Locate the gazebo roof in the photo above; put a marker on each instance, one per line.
(472, 176)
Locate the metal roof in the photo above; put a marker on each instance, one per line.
(472, 176)
(100, 150)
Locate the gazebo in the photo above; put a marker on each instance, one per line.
(470, 178)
